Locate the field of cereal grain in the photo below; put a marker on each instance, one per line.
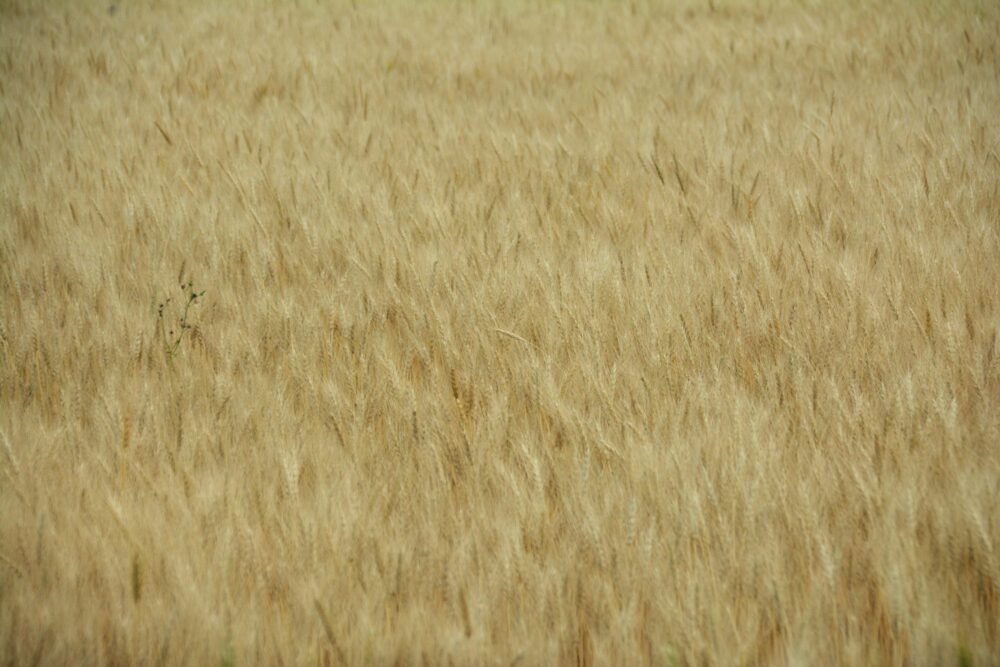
(533, 333)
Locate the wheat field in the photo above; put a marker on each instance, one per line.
(529, 333)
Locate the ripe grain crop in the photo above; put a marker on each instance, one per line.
(532, 333)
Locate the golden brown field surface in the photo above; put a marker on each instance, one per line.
(533, 333)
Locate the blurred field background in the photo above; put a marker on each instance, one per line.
(534, 333)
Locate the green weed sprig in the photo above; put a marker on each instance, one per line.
(173, 335)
